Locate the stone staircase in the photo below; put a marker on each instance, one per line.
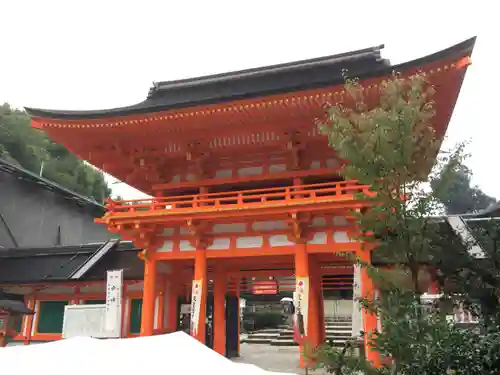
(338, 330)
(263, 336)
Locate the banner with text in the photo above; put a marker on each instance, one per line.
(301, 302)
(196, 294)
(114, 295)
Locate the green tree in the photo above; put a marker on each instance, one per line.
(461, 196)
(391, 146)
(31, 149)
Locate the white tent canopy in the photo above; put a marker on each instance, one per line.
(175, 353)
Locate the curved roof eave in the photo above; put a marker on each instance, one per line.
(161, 97)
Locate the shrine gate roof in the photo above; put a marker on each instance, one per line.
(250, 83)
(259, 82)
(237, 113)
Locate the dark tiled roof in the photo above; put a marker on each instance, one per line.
(132, 265)
(34, 265)
(30, 177)
(13, 303)
(270, 80)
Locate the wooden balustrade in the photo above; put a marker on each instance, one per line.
(246, 198)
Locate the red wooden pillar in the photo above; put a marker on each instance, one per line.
(309, 306)
(76, 294)
(370, 321)
(29, 319)
(199, 296)
(220, 313)
(149, 295)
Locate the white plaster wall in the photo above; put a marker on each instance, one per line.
(167, 246)
(224, 173)
(168, 232)
(262, 226)
(357, 316)
(220, 244)
(250, 171)
(319, 238)
(185, 245)
(229, 228)
(276, 168)
(249, 242)
(157, 308)
(318, 222)
(280, 240)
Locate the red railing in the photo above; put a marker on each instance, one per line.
(245, 198)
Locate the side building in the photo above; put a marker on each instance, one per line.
(37, 212)
(53, 254)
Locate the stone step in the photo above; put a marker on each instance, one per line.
(269, 330)
(328, 338)
(328, 333)
(339, 319)
(338, 329)
(293, 343)
(256, 341)
(263, 337)
(341, 324)
(339, 333)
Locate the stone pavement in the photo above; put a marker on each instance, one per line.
(273, 358)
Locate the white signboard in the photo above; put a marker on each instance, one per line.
(114, 294)
(357, 316)
(195, 306)
(99, 321)
(84, 320)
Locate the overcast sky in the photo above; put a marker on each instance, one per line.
(102, 54)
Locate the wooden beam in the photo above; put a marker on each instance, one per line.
(262, 251)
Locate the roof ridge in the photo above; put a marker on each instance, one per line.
(163, 85)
